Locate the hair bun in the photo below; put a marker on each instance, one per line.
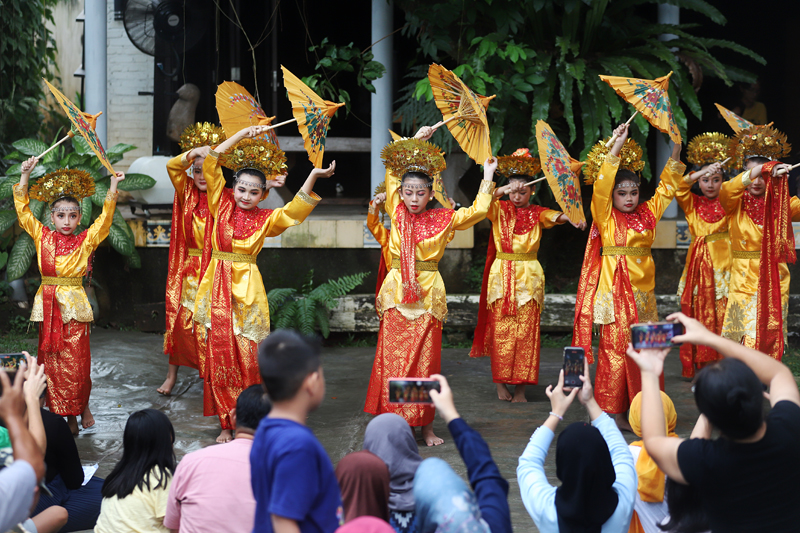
(737, 395)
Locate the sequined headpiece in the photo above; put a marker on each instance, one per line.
(51, 187)
(520, 163)
(256, 154)
(707, 148)
(413, 155)
(758, 141)
(201, 134)
(630, 159)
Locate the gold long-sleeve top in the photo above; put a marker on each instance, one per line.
(72, 256)
(437, 226)
(526, 238)
(249, 297)
(379, 231)
(641, 268)
(695, 207)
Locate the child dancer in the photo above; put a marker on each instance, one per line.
(412, 301)
(512, 295)
(231, 299)
(762, 241)
(60, 305)
(703, 289)
(381, 234)
(617, 280)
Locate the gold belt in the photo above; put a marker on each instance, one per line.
(195, 252)
(64, 282)
(236, 258)
(717, 236)
(741, 254)
(516, 257)
(428, 266)
(637, 251)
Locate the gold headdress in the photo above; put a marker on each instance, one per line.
(378, 190)
(413, 155)
(520, 163)
(707, 148)
(78, 184)
(201, 134)
(630, 159)
(758, 141)
(256, 154)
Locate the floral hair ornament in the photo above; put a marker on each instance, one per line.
(255, 154)
(201, 134)
(520, 163)
(630, 159)
(413, 155)
(62, 183)
(758, 141)
(707, 148)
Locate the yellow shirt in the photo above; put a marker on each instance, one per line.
(429, 249)
(379, 231)
(640, 268)
(138, 512)
(72, 300)
(249, 298)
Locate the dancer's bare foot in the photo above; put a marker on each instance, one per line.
(430, 438)
(226, 435)
(172, 377)
(87, 420)
(502, 392)
(622, 422)
(519, 394)
(72, 422)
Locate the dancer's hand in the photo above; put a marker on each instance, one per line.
(781, 169)
(29, 164)
(279, 181)
(424, 133)
(379, 199)
(323, 172)
(489, 168)
(580, 225)
(201, 152)
(559, 399)
(650, 360)
(443, 399)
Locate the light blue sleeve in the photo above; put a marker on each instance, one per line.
(625, 485)
(537, 494)
(17, 483)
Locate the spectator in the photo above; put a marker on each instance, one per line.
(365, 524)
(742, 478)
(391, 438)
(135, 492)
(598, 479)
(364, 482)
(443, 501)
(292, 477)
(686, 513)
(218, 477)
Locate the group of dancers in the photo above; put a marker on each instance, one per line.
(735, 282)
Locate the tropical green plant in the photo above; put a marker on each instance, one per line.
(542, 59)
(80, 157)
(307, 310)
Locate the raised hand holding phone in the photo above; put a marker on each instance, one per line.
(574, 358)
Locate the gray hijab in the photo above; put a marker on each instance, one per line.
(391, 438)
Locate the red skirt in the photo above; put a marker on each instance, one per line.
(219, 400)
(406, 349)
(68, 370)
(699, 356)
(514, 343)
(188, 342)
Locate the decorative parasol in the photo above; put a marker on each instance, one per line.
(88, 117)
(237, 109)
(464, 112)
(650, 98)
(312, 113)
(560, 170)
(78, 119)
(736, 122)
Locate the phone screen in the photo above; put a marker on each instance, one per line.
(573, 366)
(404, 390)
(655, 335)
(10, 362)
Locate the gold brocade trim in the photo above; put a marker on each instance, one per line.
(604, 308)
(434, 302)
(20, 191)
(487, 187)
(307, 198)
(236, 258)
(373, 209)
(249, 322)
(195, 252)
(72, 302)
(64, 282)
(741, 254)
(111, 196)
(746, 181)
(717, 236)
(213, 153)
(740, 317)
(189, 291)
(526, 289)
(532, 256)
(636, 251)
(645, 305)
(676, 167)
(420, 266)
(722, 280)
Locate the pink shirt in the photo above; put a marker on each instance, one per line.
(211, 490)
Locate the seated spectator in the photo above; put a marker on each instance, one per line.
(218, 477)
(598, 479)
(491, 488)
(444, 502)
(364, 483)
(686, 513)
(135, 492)
(365, 524)
(743, 477)
(391, 438)
(291, 474)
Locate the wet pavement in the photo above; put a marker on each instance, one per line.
(128, 366)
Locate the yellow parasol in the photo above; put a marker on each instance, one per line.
(237, 109)
(561, 172)
(736, 122)
(88, 117)
(438, 184)
(78, 119)
(464, 112)
(650, 98)
(312, 113)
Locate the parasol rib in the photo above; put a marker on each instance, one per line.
(535, 181)
(281, 124)
(782, 171)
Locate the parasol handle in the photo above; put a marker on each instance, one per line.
(781, 172)
(614, 137)
(535, 181)
(52, 147)
(700, 173)
(280, 124)
(443, 122)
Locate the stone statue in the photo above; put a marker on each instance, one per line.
(181, 116)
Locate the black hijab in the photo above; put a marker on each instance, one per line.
(586, 498)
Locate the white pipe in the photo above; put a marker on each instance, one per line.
(95, 50)
(381, 100)
(667, 14)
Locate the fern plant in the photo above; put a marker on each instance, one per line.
(307, 310)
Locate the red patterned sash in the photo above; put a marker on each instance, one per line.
(51, 315)
(699, 275)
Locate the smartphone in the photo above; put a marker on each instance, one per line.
(573, 367)
(414, 390)
(10, 363)
(655, 334)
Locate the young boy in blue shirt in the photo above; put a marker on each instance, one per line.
(292, 476)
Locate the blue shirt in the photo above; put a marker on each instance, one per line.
(292, 477)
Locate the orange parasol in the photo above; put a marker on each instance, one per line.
(237, 109)
(86, 129)
(650, 98)
(736, 122)
(312, 113)
(561, 172)
(438, 184)
(88, 117)
(464, 112)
